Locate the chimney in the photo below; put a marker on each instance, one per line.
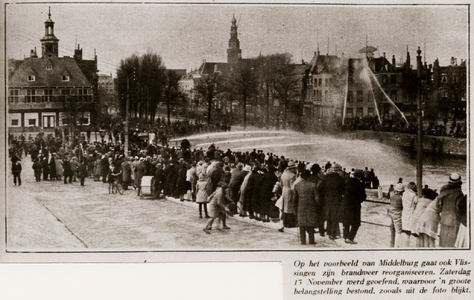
(394, 62)
(204, 61)
(78, 53)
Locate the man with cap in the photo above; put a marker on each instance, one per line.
(140, 169)
(354, 195)
(449, 197)
(237, 176)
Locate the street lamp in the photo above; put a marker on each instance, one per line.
(419, 150)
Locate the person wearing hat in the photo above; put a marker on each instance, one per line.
(201, 195)
(409, 202)
(395, 213)
(354, 195)
(287, 179)
(332, 191)
(306, 205)
(428, 196)
(449, 197)
(237, 176)
(126, 174)
(16, 171)
(140, 169)
(218, 204)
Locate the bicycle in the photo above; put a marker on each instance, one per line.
(118, 187)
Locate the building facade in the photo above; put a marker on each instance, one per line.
(48, 92)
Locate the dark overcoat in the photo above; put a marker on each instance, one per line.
(354, 195)
(306, 204)
(333, 191)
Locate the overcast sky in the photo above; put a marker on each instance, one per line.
(185, 35)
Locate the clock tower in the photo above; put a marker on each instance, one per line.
(49, 43)
(234, 53)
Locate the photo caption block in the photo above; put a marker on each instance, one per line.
(366, 277)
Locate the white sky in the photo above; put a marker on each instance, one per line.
(184, 35)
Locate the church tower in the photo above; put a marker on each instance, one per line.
(49, 43)
(234, 53)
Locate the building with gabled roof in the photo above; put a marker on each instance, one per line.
(49, 92)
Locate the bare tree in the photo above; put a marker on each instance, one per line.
(209, 87)
(171, 91)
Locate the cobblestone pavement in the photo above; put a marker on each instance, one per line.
(53, 216)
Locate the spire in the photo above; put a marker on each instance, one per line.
(49, 43)
(233, 52)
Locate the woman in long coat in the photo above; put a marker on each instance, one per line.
(449, 197)
(201, 196)
(409, 200)
(181, 186)
(428, 196)
(287, 179)
(52, 168)
(59, 168)
(354, 195)
(266, 193)
(427, 227)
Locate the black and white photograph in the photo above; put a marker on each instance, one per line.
(237, 132)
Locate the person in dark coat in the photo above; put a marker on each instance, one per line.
(268, 208)
(67, 170)
(354, 195)
(45, 165)
(104, 166)
(140, 170)
(306, 204)
(37, 167)
(16, 171)
(216, 176)
(52, 168)
(126, 173)
(237, 176)
(333, 190)
(248, 192)
(181, 184)
(315, 178)
(82, 171)
(256, 199)
(159, 176)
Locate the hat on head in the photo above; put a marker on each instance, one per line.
(240, 166)
(291, 165)
(411, 186)
(247, 168)
(337, 167)
(455, 178)
(399, 187)
(142, 159)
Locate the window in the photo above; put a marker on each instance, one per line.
(455, 78)
(444, 77)
(30, 96)
(320, 82)
(48, 95)
(359, 111)
(359, 96)
(349, 96)
(445, 94)
(13, 96)
(31, 78)
(65, 77)
(15, 122)
(31, 122)
(370, 111)
(384, 79)
(326, 96)
(393, 79)
(393, 95)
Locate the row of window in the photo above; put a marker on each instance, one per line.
(31, 78)
(319, 82)
(359, 111)
(32, 98)
(40, 92)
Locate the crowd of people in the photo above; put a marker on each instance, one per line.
(418, 221)
(254, 184)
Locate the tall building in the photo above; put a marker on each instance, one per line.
(234, 53)
(49, 91)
